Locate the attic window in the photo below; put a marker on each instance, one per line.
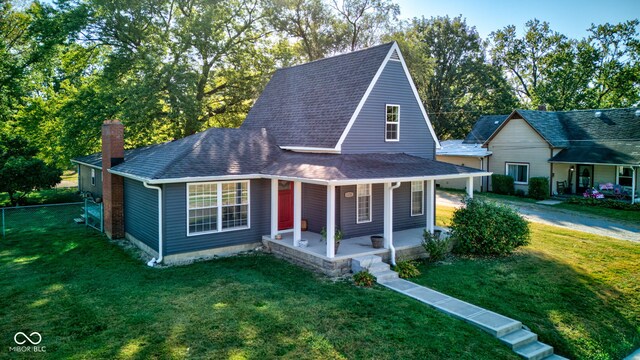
(395, 56)
(392, 123)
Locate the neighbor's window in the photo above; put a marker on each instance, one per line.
(363, 203)
(235, 205)
(519, 172)
(93, 177)
(392, 123)
(417, 198)
(224, 201)
(625, 176)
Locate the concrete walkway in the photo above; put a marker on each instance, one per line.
(546, 214)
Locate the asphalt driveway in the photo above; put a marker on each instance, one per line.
(547, 214)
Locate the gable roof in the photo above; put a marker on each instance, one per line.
(483, 128)
(312, 106)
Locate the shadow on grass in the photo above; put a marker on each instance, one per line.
(581, 316)
(90, 299)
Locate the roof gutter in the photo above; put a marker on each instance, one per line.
(86, 164)
(155, 261)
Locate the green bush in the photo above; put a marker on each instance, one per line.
(488, 228)
(605, 203)
(437, 248)
(520, 193)
(539, 188)
(364, 278)
(502, 184)
(407, 269)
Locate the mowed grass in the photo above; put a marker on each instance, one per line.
(90, 299)
(579, 292)
(47, 196)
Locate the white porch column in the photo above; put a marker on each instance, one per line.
(274, 208)
(633, 184)
(331, 220)
(430, 205)
(470, 187)
(388, 215)
(297, 212)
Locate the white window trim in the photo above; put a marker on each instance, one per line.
(387, 123)
(506, 172)
(218, 207)
(619, 170)
(421, 198)
(93, 177)
(358, 221)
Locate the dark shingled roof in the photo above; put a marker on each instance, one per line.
(214, 152)
(610, 152)
(360, 166)
(310, 105)
(483, 128)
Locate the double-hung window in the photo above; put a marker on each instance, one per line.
(219, 206)
(392, 123)
(625, 176)
(363, 203)
(417, 198)
(519, 172)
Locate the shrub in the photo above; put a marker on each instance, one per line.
(605, 203)
(487, 228)
(520, 193)
(502, 184)
(539, 188)
(407, 269)
(437, 248)
(364, 278)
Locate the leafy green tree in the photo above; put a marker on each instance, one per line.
(365, 21)
(447, 61)
(20, 171)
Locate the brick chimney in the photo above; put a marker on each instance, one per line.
(113, 185)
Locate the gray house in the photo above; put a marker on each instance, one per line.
(340, 143)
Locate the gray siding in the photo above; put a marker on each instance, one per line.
(367, 133)
(141, 212)
(314, 206)
(84, 181)
(402, 218)
(175, 221)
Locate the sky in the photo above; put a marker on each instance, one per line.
(569, 17)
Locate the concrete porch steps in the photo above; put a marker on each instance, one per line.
(511, 332)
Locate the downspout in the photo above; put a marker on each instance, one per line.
(155, 261)
(392, 249)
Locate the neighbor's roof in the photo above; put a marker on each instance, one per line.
(310, 105)
(214, 152)
(483, 128)
(609, 152)
(370, 167)
(461, 148)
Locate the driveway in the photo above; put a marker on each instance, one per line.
(546, 214)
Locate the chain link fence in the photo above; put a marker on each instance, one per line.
(26, 220)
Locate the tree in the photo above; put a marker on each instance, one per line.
(20, 171)
(446, 58)
(366, 20)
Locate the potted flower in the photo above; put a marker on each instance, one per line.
(337, 237)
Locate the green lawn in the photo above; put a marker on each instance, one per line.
(90, 299)
(579, 292)
(48, 196)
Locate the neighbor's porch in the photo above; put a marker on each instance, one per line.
(618, 181)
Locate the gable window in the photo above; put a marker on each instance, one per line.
(93, 177)
(217, 206)
(417, 198)
(363, 204)
(519, 172)
(392, 123)
(625, 176)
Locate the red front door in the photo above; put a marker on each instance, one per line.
(285, 205)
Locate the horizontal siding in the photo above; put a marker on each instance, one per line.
(141, 212)
(402, 218)
(367, 133)
(518, 142)
(84, 181)
(472, 162)
(175, 216)
(314, 206)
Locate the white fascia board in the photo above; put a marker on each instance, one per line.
(85, 164)
(311, 149)
(408, 179)
(396, 48)
(465, 155)
(187, 179)
(365, 97)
